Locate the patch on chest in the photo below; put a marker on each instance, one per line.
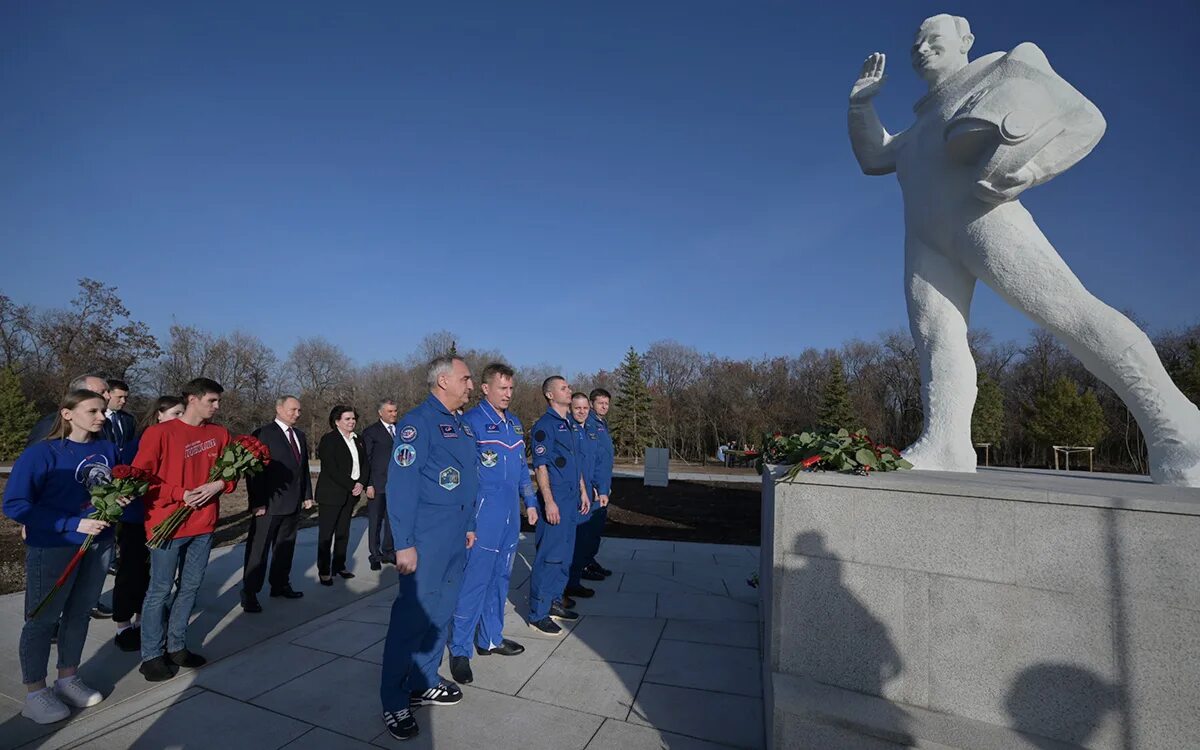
(448, 431)
(404, 455)
(563, 428)
(518, 429)
(560, 462)
(449, 478)
(466, 428)
(489, 458)
(491, 428)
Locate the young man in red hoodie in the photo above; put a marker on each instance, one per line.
(180, 454)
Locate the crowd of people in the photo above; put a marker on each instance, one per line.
(446, 492)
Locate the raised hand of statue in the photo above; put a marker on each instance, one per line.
(870, 80)
(1005, 188)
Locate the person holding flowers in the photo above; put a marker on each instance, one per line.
(181, 455)
(67, 550)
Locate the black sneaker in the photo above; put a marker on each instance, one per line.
(546, 626)
(185, 658)
(401, 724)
(129, 639)
(158, 669)
(592, 575)
(506, 648)
(101, 612)
(583, 592)
(445, 693)
(559, 612)
(460, 669)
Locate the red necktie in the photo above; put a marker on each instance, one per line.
(295, 447)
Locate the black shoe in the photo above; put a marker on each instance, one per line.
(129, 639)
(445, 693)
(460, 669)
(101, 612)
(583, 592)
(566, 601)
(325, 581)
(592, 575)
(506, 648)
(185, 658)
(388, 557)
(158, 669)
(287, 592)
(112, 566)
(559, 612)
(401, 724)
(375, 565)
(250, 603)
(345, 574)
(546, 626)
(596, 567)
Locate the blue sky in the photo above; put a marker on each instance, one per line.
(558, 181)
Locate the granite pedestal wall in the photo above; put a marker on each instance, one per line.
(1005, 609)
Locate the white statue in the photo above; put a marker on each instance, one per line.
(988, 130)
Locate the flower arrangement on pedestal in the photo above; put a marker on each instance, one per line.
(841, 450)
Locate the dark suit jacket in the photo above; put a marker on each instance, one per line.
(334, 483)
(41, 429)
(284, 484)
(121, 429)
(379, 455)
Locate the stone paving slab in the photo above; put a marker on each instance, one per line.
(593, 687)
(342, 696)
(726, 669)
(704, 607)
(720, 632)
(321, 739)
(625, 640)
(344, 637)
(617, 735)
(508, 674)
(618, 604)
(261, 669)
(718, 717)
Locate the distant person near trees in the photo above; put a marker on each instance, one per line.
(380, 439)
(597, 424)
(120, 427)
(339, 485)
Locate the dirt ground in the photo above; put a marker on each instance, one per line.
(684, 511)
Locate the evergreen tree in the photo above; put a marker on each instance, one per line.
(987, 421)
(1062, 415)
(630, 418)
(16, 415)
(1186, 372)
(835, 412)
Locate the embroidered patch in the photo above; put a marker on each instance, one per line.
(466, 428)
(518, 429)
(449, 478)
(540, 450)
(560, 462)
(404, 455)
(408, 433)
(563, 428)
(447, 430)
(539, 435)
(489, 458)
(592, 435)
(492, 428)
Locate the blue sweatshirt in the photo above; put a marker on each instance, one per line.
(47, 492)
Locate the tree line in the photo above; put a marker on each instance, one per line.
(1031, 395)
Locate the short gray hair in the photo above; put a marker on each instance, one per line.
(80, 383)
(384, 402)
(285, 398)
(439, 366)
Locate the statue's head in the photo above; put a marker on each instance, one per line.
(940, 47)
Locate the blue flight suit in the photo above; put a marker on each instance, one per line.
(602, 477)
(504, 485)
(431, 490)
(555, 446)
(588, 446)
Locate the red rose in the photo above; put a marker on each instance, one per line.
(809, 462)
(123, 471)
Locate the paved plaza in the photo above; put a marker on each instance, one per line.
(667, 655)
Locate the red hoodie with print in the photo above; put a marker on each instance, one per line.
(180, 457)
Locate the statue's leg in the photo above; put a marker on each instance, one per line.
(1005, 249)
(938, 291)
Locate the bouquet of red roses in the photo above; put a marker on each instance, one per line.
(244, 456)
(124, 482)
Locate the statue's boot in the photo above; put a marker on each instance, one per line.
(1168, 420)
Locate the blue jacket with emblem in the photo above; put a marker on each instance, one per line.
(504, 484)
(602, 473)
(555, 446)
(433, 463)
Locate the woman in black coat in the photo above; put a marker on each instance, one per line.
(339, 485)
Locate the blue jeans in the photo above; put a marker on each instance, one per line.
(189, 558)
(70, 608)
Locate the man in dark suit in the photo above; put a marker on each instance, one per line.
(121, 427)
(276, 496)
(379, 439)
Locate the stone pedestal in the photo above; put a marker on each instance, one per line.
(1004, 609)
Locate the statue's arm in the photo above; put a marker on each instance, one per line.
(1084, 128)
(873, 146)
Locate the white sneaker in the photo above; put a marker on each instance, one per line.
(75, 693)
(44, 707)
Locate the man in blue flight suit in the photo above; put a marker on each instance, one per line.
(588, 443)
(598, 423)
(504, 487)
(564, 498)
(431, 489)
